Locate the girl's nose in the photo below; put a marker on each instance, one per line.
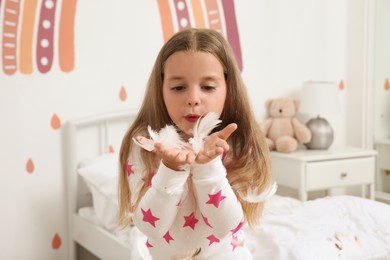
(193, 98)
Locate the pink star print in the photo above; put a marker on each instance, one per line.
(234, 242)
(215, 199)
(239, 226)
(212, 239)
(206, 221)
(148, 217)
(167, 237)
(129, 169)
(148, 244)
(190, 221)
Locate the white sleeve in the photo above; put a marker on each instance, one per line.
(217, 201)
(158, 207)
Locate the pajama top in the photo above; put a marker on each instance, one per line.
(186, 213)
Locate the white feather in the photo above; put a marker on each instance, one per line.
(168, 137)
(253, 195)
(153, 134)
(202, 129)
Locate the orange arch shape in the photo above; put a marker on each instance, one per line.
(26, 37)
(66, 35)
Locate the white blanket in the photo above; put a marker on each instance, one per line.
(340, 227)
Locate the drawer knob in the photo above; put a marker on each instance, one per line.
(343, 175)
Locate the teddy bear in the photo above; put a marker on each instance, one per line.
(282, 129)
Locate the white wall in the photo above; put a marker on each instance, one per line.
(382, 71)
(283, 43)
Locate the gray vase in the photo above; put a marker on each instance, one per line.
(322, 134)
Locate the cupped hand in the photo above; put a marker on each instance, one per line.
(175, 158)
(215, 144)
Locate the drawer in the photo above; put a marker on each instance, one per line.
(329, 174)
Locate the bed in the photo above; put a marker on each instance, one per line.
(338, 227)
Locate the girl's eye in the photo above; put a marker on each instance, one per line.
(178, 88)
(208, 88)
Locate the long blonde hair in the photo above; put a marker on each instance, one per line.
(249, 167)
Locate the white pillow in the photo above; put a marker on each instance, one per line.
(101, 176)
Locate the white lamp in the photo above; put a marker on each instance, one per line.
(319, 98)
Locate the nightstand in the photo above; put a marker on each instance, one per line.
(310, 170)
(383, 170)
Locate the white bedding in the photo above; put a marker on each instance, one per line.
(340, 227)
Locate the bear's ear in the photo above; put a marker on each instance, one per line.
(268, 103)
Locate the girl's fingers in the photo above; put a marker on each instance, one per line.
(145, 143)
(227, 131)
(175, 157)
(190, 158)
(205, 157)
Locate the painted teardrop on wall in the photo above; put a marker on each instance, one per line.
(55, 122)
(122, 94)
(56, 242)
(30, 167)
(111, 149)
(341, 85)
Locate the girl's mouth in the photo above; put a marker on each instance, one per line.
(192, 118)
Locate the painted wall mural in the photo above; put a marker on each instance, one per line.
(175, 15)
(214, 14)
(23, 25)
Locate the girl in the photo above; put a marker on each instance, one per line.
(193, 205)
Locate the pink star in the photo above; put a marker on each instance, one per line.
(148, 244)
(234, 242)
(190, 221)
(129, 169)
(215, 199)
(167, 237)
(148, 217)
(239, 226)
(206, 221)
(212, 239)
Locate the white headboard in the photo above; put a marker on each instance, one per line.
(85, 138)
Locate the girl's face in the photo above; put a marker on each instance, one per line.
(194, 85)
